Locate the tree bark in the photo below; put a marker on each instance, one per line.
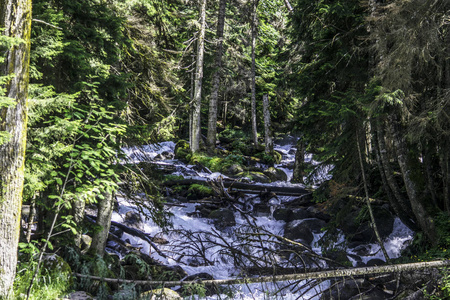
(299, 163)
(402, 202)
(267, 131)
(78, 216)
(300, 276)
(16, 20)
(197, 101)
(424, 221)
(253, 73)
(105, 209)
(212, 118)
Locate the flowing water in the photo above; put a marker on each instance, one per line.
(199, 246)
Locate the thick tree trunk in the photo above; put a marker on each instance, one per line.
(351, 272)
(16, 20)
(267, 131)
(253, 73)
(197, 101)
(212, 118)
(424, 221)
(404, 217)
(389, 174)
(105, 209)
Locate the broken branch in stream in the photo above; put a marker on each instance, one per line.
(136, 232)
(328, 274)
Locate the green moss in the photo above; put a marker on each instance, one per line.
(182, 150)
(198, 191)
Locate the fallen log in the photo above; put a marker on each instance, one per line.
(136, 232)
(289, 277)
(248, 188)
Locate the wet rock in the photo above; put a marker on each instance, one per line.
(222, 218)
(275, 174)
(283, 214)
(345, 289)
(318, 213)
(297, 230)
(375, 262)
(301, 213)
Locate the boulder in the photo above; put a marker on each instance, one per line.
(275, 174)
(222, 218)
(79, 295)
(157, 294)
(297, 231)
(283, 214)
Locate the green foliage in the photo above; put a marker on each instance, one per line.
(53, 280)
(444, 287)
(199, 191)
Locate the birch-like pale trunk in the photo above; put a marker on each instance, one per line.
(16, 20)
(197, 101)
(267, 131)
(253, 73)
(350, 272)
(213, 102)
(299, 163)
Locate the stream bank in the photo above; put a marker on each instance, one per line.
(221, 232)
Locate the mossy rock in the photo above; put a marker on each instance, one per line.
(275, 174)
(255, 176)
(56, 266)
(182, 150)
(198, 191)
(164, 293)
(222, 218)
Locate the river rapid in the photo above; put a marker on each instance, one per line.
(204, 246)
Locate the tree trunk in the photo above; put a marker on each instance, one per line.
(197, 101)
(253, 73)
(389, 174)
(212, 118)
(105, 209)
(299, 163)
(267, 131)
(404, 217)
(424, 221)
(443, 160)
(78, 216)
(288, 6)
(16, 20)
(373, 224)
(350, 272)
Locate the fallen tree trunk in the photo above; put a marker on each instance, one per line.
(135, 232)
(249, 188)
(290, 277)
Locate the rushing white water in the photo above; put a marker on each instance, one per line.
(198, 245)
